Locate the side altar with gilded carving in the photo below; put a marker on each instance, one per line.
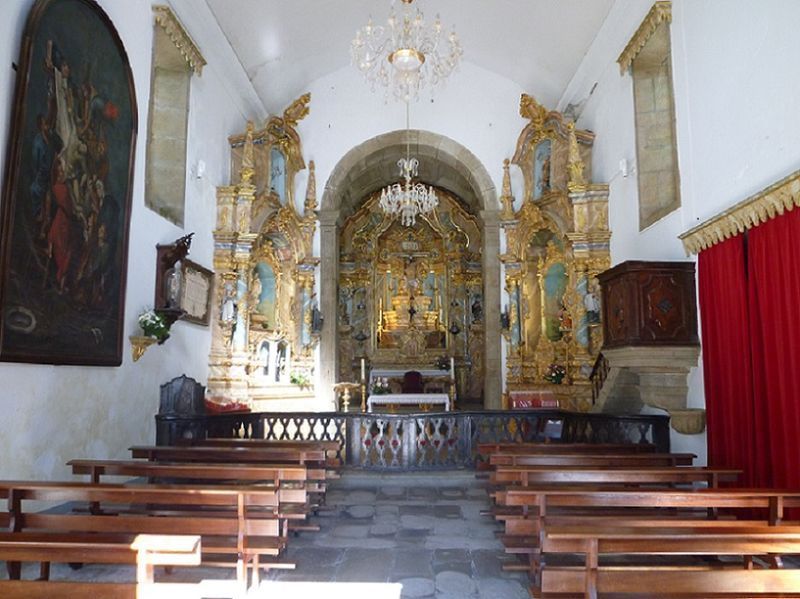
(557, 241)
(265, 324)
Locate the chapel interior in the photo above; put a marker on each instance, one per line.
(369, 283)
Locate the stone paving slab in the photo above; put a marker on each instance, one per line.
(422, 531)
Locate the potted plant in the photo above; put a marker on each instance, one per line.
(299, 378)
(154, 325)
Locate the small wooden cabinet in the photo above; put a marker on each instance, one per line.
(649, 304)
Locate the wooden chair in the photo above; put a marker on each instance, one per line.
(412, 382)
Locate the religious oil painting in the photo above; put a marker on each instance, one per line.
(555, 284)
(67, 190)
(266, 292)
(541, 168)
(278, 174)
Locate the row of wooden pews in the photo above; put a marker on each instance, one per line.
(609, 520)
(220, 503)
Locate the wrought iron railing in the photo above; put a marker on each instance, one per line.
(420, 441)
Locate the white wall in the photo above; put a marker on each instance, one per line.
(736, 82)
(475, 107)
(54, 413)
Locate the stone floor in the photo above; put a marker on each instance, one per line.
(382, 537)
(422, 531)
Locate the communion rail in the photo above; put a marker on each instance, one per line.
(420, 441)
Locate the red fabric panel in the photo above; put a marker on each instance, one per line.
(774, 284)
(727, 365)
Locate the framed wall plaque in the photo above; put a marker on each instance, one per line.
(196, 289)
(66, 198)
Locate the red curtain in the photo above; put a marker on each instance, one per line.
(749, 292)
(727, 370)
(774, 292)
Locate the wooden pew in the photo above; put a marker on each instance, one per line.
(616, 460)
(314, 459)
(248, 536)
(485, 450)
(507, 477)
(143, 551)
(288, 477)
(566, 475)
(554, 448)
(332, 448)
(596, 543)
(632, 506)
(262, 455)
(288, 480)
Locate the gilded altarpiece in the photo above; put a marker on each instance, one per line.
(265, 327)
(557, 241)
(412, 296)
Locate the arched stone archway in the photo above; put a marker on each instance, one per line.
(372, 165)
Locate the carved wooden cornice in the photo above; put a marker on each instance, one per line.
(759, 208)
(661, 12)
(175, 31)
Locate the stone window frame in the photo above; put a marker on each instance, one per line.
(183, 59)
(658, 18)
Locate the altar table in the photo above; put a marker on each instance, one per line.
(399, 372)
(408, 399)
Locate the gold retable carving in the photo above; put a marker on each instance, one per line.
(659, 13)
(266, 325)
(556, 244)
(751, 212)
(183, 42)
(409, 296)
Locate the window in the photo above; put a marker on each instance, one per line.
(175, 59)
(654, 108)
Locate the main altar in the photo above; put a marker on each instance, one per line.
(410, 297)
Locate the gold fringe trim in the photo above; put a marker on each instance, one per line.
(759, 208)
(661, 11)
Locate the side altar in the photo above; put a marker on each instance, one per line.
(557, 242)
(265, 325)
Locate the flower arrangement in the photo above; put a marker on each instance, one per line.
(381, 386)
(154, 325)
(301, 379)
(555, 373)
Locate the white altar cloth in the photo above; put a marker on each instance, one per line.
(408, 399)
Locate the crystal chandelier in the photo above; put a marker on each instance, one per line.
(408, 199)
(406, 54)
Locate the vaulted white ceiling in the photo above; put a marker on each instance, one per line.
(286, 44)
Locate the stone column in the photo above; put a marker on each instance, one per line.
(492, 385)
(329, 303)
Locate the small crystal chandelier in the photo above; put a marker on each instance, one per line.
(409, 199)
(405, 55)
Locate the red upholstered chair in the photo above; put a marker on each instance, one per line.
(412, 382)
